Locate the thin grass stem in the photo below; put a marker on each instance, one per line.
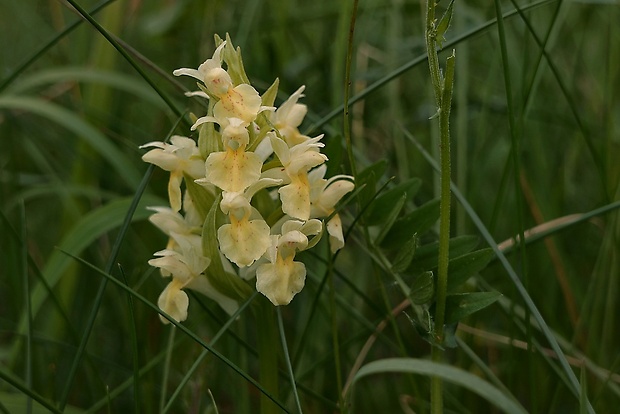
(166, 373)
(549, 336)
(24, 268)
(134, 345)
(287, 360)
(205, 352)
(110, 263)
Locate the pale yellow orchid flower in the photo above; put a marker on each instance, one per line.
(296, 162)
(246, 238)
(324, 195)
(178, 157)
(282, 278)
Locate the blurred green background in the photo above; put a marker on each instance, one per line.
(71, 122)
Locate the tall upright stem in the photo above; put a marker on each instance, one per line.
(442, 88)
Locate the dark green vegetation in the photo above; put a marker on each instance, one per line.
(535, 149)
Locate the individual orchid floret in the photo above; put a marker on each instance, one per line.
(244, 240)
(289, 116)
(169, 222)
(216, 79)
(174, 301)
(296, 163)
(232, 170)
(234, 131)
(324, 195)
(241, 101)
(179, 157)
(183, 263)
(282, 278)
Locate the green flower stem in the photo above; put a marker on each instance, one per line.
(433, 59)
(442, 89)
(347, 91)
(268, 340)
(444, 208)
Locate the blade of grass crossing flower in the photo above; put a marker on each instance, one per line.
(97, 302)
(287, 359)
(154, 362)
(575, 387)
(205, 352)
(129, 214)
(192, 335)
(83, 234)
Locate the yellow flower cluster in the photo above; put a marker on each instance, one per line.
(246, 147)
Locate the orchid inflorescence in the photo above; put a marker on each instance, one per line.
(253, 196)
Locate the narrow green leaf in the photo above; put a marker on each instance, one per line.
(463, 267)
(269, 96)
(390, 217)
(369, 177)
(83, 234)
(426, 256)
(444, 24)
(124, 166)
(419, 221)
(464, 304)
(405, 255)
(17, 403)
(447, 373)
(385, 201)
(120, 81)
(422, 288)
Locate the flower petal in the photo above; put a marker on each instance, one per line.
(336, 238)
(281, 281)
(174, 302)
(243, 241)
(296, 197)
(233, 171)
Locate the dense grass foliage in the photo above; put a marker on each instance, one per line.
(535, 127)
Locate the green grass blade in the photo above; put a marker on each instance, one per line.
(125, 168)
(192, 335)
(205, 352)
(447, 373)
(26, 280)
(15, 382)
(531, 306)
(134, 345)
(127, 219)
(47, 46)
(122, 82)
(419, 60)
(127, 57)
(287, 359)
